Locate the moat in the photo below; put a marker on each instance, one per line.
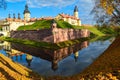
(64, 62)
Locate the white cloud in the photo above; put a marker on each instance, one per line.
(47, 3)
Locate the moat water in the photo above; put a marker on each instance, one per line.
(63, 62)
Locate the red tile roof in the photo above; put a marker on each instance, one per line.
(68, 16)
(12, 19)
(33, 19)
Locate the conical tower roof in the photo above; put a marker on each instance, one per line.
(76, 9)
(26, 9)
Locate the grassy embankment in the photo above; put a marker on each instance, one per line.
(10, 70)
(60, 24)
(113, 31)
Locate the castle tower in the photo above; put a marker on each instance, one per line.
(76, 12)
(9, 16)
(14, 16)
(26, 13)
(19, 16)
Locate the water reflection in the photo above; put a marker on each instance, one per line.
(54, 56)
(66, 61)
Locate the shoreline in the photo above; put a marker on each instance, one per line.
(46, 45)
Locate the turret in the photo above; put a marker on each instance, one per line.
(53, 24)
(19, 16)
(76, 12)
(26, 13)
(14, 16)
(9, 16)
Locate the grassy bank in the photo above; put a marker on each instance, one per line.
(46, 45)
(114, 31)
(43, 24)
(10, 70)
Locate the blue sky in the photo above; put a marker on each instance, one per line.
(42, 8)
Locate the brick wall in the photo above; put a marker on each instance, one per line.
(53, 35)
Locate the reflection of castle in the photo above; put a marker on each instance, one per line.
(52, 56)
(17, 50)
(15, 53)
(29, 59)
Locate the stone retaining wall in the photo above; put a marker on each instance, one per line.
(53, 35)
(36, 35)
(68, 34)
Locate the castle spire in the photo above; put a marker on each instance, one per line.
(76, 9)
(26, 13)
(76, 12)
(14, 15)
(9, 16)
(26, 9)
(18, 15)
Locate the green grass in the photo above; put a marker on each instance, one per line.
(93, 29)
(42, 24)
(63, 24)
(47, 45)
(114, 31)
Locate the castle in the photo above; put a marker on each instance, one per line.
(11, 24)
(74, 20)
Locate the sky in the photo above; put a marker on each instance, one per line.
(43, 8)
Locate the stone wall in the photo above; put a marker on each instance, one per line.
(68, 34)
(53, 35)
(36, 35)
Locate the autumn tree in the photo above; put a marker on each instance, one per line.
(107, 12)
(3, 4)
